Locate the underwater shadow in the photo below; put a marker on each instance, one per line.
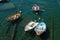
(0, 25)
(40, 12)
(12, 23)
(31, 34)
(45, 35)
(17, 24)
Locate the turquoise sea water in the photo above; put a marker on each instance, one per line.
(51, 16)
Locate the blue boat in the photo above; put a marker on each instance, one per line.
(40, 28)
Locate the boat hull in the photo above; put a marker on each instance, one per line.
(30, 26)
(40, 28)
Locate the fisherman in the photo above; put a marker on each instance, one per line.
(36, 8)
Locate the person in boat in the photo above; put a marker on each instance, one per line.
(36, 8)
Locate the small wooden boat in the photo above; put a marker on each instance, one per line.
(30, 25)
(36, 8)
(14, 16)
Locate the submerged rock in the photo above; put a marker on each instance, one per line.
(6, 6)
